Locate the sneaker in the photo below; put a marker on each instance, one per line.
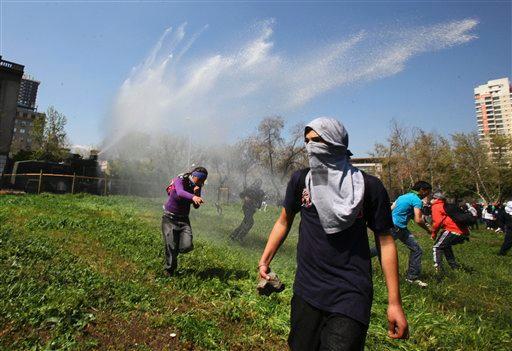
(417, 282)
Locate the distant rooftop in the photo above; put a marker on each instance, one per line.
(11, 65)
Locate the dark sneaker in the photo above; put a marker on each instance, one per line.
(267, 287)
(170, 272)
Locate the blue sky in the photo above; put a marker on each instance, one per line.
(83, 52)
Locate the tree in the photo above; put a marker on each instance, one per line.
(51, 137)
(269, 134)
(479, 175)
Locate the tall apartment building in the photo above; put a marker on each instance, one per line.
(26, 116)
(22, 138)
(493, 103)
(28, 93)
(10, 77)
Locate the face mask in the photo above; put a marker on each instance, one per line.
(323, 153)
(316, 149)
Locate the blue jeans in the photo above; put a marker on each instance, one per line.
(406, 237)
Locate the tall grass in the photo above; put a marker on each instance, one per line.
(86, 272)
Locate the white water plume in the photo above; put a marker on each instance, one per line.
(214, 95)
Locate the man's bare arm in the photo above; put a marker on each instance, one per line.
(275, 239)
(418, 218)
(397, 322)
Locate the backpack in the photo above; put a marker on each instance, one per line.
(461, 217)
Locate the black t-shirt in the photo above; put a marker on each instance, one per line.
(334, 270)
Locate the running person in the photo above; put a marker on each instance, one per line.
(252, 199)
(332, 292)
(184, 190)
(407, 206)
(505, 217)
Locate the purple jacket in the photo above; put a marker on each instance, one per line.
(180, 193)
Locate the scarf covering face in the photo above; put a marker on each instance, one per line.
(335, 186)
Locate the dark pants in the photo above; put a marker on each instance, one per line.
(406, 237)
(177, 235)
(507, 243)
(313, 329)
(444, 244)
(490, 223)
(243, 229)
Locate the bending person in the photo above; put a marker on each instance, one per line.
(184, 190)
(407, 206)
(332, 292)
(452, 233)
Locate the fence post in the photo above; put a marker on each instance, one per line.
(105, 185)
(40, 182)
(73, 184)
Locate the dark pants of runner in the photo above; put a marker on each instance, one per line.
(444, 245)
(177, 235)
(406, 237)
(246, 225)
(507, 243)
(313, 329)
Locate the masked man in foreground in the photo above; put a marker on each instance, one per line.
(333, 291)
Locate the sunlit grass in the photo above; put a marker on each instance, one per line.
(86, 272)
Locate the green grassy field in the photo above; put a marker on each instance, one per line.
(85, 272)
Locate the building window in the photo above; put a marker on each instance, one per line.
(14, 129)
(22, 130)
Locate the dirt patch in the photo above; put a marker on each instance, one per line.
(11, 192)
(133, 332)
(11, 335)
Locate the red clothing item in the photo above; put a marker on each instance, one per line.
(441, 219)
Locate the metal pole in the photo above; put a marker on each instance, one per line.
(40, 182)
(73, 184)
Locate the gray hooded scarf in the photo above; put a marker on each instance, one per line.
(335, 186)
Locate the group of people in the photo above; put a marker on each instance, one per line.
(333, 291)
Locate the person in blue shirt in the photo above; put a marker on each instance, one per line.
(404, 208)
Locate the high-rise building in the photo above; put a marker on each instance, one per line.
(23, 136)
(28, 93)
(493, 103)
(10, 78)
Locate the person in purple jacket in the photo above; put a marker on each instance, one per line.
(184, 190)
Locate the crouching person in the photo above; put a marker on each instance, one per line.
(184, 190)
(332, 292)
(452, 233)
